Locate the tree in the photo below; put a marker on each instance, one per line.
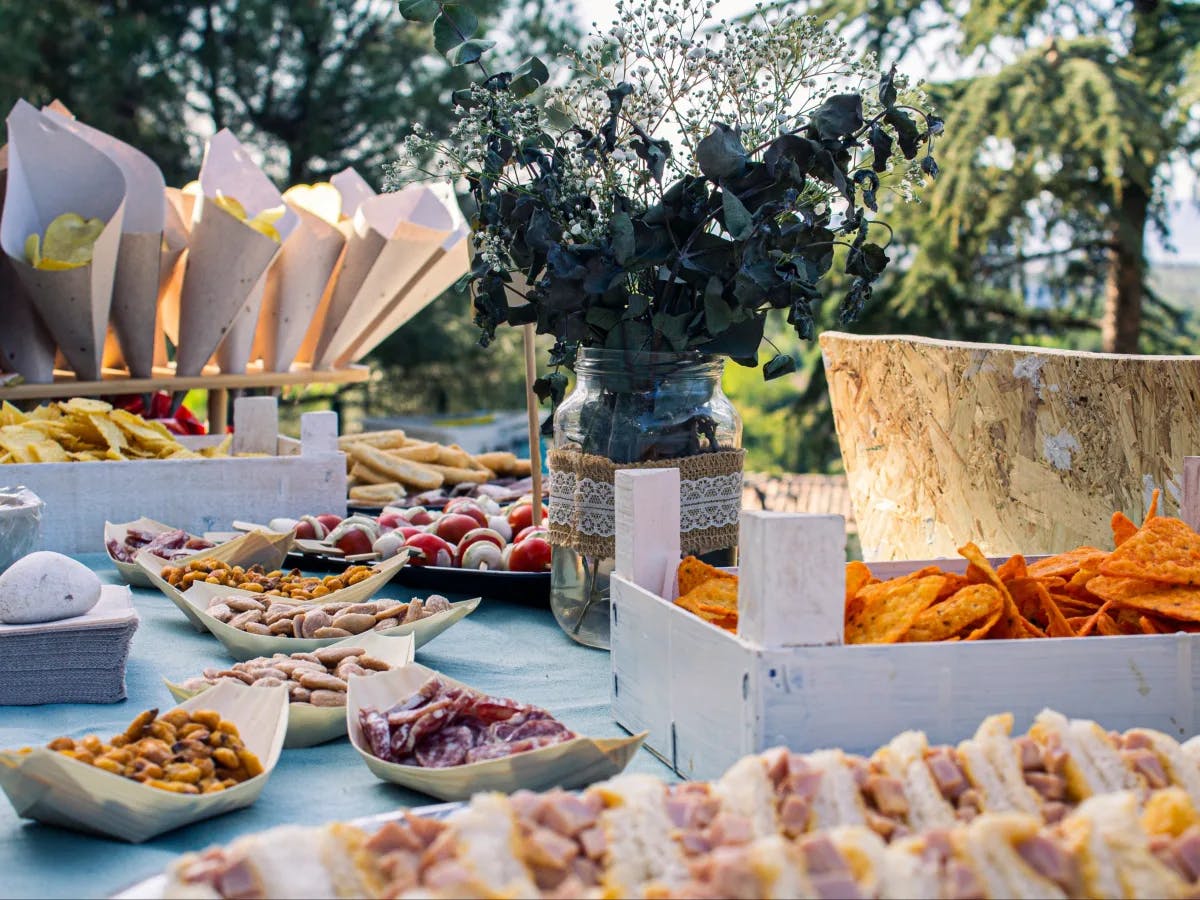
(1054, 166)
(313, 85)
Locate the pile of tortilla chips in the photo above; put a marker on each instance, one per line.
(82, 430)
(708, 593)
(1150, 584)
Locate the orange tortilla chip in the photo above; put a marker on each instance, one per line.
(1064, 565)
(1009, 625)
(693, 573)
(857, 578)
(1035, 602)
(1167, 600)
(1150, 626)
(971, 606)
(1153, 510)
(719, 592)
(1086, 628)
(1164, 550)
(1013, 568)
(954, 584)
(1122, 528)
(889, 609)
(1107, 627)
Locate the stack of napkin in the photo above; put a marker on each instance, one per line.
(77, 660)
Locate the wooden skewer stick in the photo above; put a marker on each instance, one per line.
(535, 442)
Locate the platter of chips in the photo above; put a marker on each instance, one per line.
(83, 430)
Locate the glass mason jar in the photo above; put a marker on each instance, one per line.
(630, 407)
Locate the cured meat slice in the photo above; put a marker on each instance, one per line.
(440, 726)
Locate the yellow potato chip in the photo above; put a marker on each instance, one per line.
(857, 576)
(85, 405)
(109, 432)
(973, 605)
(69, 240)
(322, 200)
(33, 250)
(10, 415)
(231, 205)
(889, 609)
(47, 450)
(1163, 549)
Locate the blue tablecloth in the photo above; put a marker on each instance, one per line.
(501, 648)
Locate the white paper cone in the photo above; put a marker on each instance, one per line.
(234, 351)
(394, 236)
(136, 283)
(437, 276)
(52, 171)
(226, 257)
(26, 346)
(296, 285)
(354, 190)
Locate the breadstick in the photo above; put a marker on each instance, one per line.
(364, 474)
(456, 475)
(422, 477)
(454, 457)
(500, 462)
(383, 494)
(417, 452)
(392, 438)
(522, 468)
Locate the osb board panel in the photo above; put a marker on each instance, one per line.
(1015, 448)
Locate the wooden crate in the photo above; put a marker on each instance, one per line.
(708, 697)
(198, 495)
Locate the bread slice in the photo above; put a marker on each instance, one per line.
(989, 844)
(1113, 818)
(838, 800)
(746, 790)
(487, 848)
(641, 849)
(863, 851)
(994, 768)
(904, 759)
(1083, 773)
(1181, 769)
(906, 873)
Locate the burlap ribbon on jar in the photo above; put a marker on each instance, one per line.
(582, 513)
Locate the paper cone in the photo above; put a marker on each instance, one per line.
(57, 790)
(310, 725)
(571, 764)
(26, 346)
(266, 549)
(227, 259)
(438, 275)
(136, 283)
(296, 285)
(394, 236)
(354, 190)
(52, 171)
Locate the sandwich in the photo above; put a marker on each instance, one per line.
(930, 865)
(937, 789)
(1113, 851)
(1015, 857)
(1090, 763)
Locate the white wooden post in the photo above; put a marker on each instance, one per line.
(1189, 503)
(318, 433)
(647, 524)
(255, 425)
(792, 579)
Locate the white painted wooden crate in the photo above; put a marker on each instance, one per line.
(708, 697)
(198, 495)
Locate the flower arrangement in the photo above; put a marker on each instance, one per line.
(683, 177)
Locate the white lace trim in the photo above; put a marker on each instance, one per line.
(589, 506)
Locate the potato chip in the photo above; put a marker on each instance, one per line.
(85, 405)
(231, 205)
(10, 415)
(1164, 549)
(718, 592)
(954, 584)
(693, 573)
(971, 606)
(322, 200)
(1064, 565)
(68, 243)
(1010, 621)
(1122, 528)
(890, 608)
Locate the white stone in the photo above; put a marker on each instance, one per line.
(46, 587)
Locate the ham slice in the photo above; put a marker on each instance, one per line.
(1052, 862)
(888, 794)
(1030, 754)
(946, 772)
(1049, 787)
(1187, 852)
(1146, 763)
